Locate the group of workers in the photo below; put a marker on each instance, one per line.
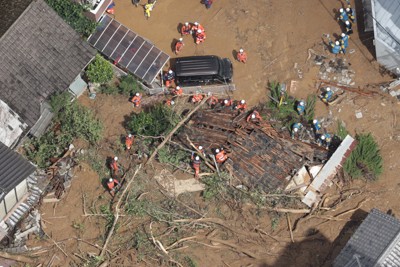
(347, 18)
(322, 139)
(219, 155)
(195, 29)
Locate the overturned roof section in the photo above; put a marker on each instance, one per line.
(13, 169)
(11, 125)
(375, 243)
(127, 49)
(41, 54)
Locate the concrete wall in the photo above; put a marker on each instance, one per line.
(12, 198)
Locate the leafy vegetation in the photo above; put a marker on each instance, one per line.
(129, 86)
(341, 131)
(100, 70)
(71, 121)
(174, 156)
(154, 122)
(310, 108)
(365, 160)
(73, 14)
(285, 110)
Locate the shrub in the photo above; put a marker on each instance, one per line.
(341, 131)
(286, 111)
(365, 160)
(109, 89)
(129, 86)
(100, 70)
(310, 107)
(73, 14)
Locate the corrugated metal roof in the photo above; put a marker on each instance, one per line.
(13, 168)
(375, 241)
(387, 22)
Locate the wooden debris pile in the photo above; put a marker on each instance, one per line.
(259, 156)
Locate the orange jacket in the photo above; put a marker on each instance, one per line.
(212, 100)
(185, 29)
(114, 166)
(256, 114)
(198, 27)
(178, 47)
(112, 184)
(221, 156)
(129, 141)
(197, 98)
(136, 100)
(242, 57)
(177, 92)
(168, 102)
(241, 106)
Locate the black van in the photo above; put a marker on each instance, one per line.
(202, 70)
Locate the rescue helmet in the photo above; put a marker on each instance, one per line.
(172, 102)
(170, 71)
(337, 43)
(315, 121)
(253, 116)
(226, 101)
(341, 10)
(347, 22)
(186, 23)
(129, 135)
(180, 39)
(301, 103)
(242, 101)
(197, 158)
(178, 87)
(348, 9)
(198, 31)
(200, 147)
(196, 23)
(328, 89)
(296, 129)
(343, 34)
(241, 50)
(115, 158)
(137, 94)
(217, 150)
(110, 180)
(322, 137)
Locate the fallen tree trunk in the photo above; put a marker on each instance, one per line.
(18, 258)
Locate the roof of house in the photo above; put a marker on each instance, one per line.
(11, 12)
(41, 54)
(375, 243)
(13, 169)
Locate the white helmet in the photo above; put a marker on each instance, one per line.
(253, 116)
(178, 87)
(242, 101)
(314, 121)
(115, 158)
(170, 71)
(217, 150)
(328, 89)
(186, 23)
(129, 135)
(347, 22)
(348, 9)
(110, 180)
(172, 102)
(296, 129)
(241, 50)
(301, 103)
(341, 10)
(226, 101)
(180, 39)
(197, 158)
(196, 23)
(198, 31)
(200, 147)
(337, 43)
(343, 34)
(322, 137)
(137, 94)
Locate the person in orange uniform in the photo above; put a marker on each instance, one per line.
(169, 78)
(185, 29)
(113, 185)
(200, 36)
(178, 91)
(179, 45)
(129, 141)
(227, 102)
(197, 98)
(170, 102)
(212, 101)
(241, 105)
(196, 165)
(220, 156)
(254, 117)
(114, 165)
(136, 99)
(241, 56)
(197, 26)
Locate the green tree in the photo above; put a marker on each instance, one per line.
(129, 85)
(100, 70)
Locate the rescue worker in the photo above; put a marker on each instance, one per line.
(169, 78)
(129, 141)
(324, 139)
(201, 149)
(185, 29)
(327, 95)
(197, 98)
(344, 41)
(200, 36)
(179, 45)
(342, 15)
(241, 106)
(170, 102)
(254, 117)
(335, 47)
(351, 13)
(241, 56)
(349, 27)
(147, 9)
(136, 99)
(301, 107)
(178, 91)
(212, 101)
(208, 3)
(114, 165)
(316, 125)
(227, 102)
(296, 127)
(196, 26)
(220, 156)
(113, 186)
(196, 165)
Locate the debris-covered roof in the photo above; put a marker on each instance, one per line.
(13, 169)
(258, 156)
(40, 55)
(375, 243)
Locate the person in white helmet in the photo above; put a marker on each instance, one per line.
(241, 106)
(350, 13)
(114, 165)
(296, 127)
(201, 150)
(170, 102)
(129, 141)
(317, 125)
(344, 41)
(227, 102)
(335, 47)
(179, 45)
(200, 36)
(185, 29)
(169, 78)
(342, 15)
(327, 95)
(136, 99)
(254, 117)
(349, 27)
(301, 107)
(241, 56)
(220, 155)
(113, 186)
(196, 162)
(325, 140)
(197, 26)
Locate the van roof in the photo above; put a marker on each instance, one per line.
(197, 65)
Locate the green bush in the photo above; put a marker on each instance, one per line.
(286, 112)
(100, 70)
(173, 156)
(310, 108)
(109, 89)
(365, 160)
(129, 86)
(73, 14)
(341, 131)
(154, 122)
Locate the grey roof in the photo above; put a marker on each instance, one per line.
(13, 169)
(40, 55)
(375, 243)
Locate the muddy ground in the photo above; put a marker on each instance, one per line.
(276, 35)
